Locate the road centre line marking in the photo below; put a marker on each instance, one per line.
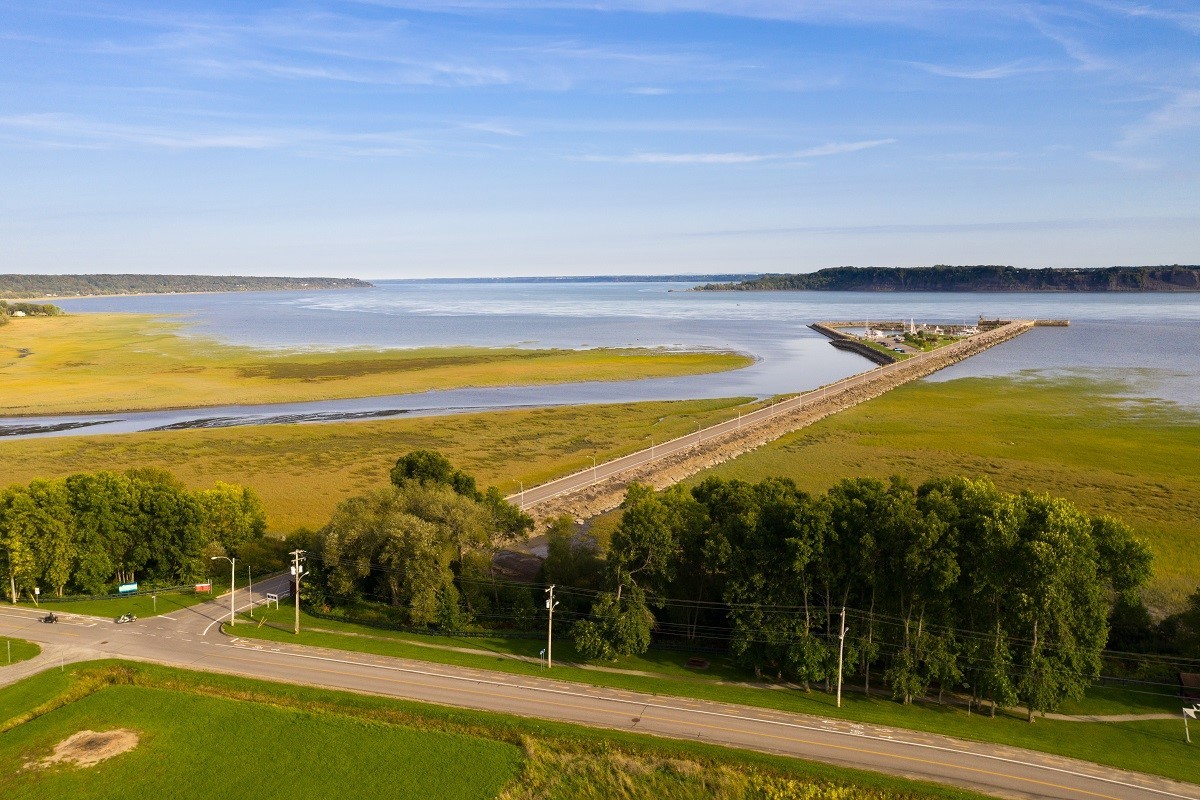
(740, 731)
(765, 721)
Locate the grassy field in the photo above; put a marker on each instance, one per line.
(200, 747)
(83, 362)
(15, 650)
(302, 471)
(1147, 746)
(347, 745)
(142, 605)
(1075, 438)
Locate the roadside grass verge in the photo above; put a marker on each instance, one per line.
(13, 651)
(302, 471)
(142, 605)
(1155, 747)
(83, 362)
(560, 760)
(1077, 438)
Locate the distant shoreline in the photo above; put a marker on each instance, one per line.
(983, 278)
(60, 287)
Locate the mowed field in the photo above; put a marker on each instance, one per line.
(120, 362)
(303, 471)
(191, 746)
(202, 736)
(1076, 438)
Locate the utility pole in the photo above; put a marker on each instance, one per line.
(841, 649)
(250, 589)
(551, 604)
(232, 580)
(297, 573)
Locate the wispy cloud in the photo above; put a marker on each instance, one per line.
(1014, 226)
(1136, 149)
(1019, 67)
(65, 131)
(831, 149)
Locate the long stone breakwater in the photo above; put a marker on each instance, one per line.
(602, 488)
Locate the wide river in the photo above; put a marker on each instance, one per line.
(1148, 342)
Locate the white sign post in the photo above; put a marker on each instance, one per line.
(1188, 712)
(36, 592)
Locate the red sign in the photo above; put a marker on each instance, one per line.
(203, 587)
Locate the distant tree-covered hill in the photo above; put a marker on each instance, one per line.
(75, 285)
(978, 279)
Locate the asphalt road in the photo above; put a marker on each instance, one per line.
(192, 639)
(602, 471)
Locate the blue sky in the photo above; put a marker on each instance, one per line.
(415, 138)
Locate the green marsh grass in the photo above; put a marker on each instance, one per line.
(84, 362)
(1073, 437)
(303, 471)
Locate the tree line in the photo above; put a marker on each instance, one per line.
(86, 532)
(13, 285)
(425, 546)
(8, 310)
(950, 584)
(983, 278)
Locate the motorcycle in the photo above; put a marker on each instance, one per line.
(51, 617)
(125, 618)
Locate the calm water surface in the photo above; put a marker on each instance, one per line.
(1149, 341)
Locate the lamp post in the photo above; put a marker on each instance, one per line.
(232, 577)
(593, 469)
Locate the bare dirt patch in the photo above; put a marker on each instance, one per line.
(89, 748)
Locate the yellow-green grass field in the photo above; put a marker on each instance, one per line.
(121, 362)
(13, 651)
(202, 736)
(303, 471)
(1072, 437)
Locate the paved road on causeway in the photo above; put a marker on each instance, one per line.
(598, 472)
(192, 638)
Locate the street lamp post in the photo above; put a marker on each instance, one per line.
(593, 469)
(232, 578)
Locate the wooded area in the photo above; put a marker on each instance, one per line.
(8, 310)
(950, 584)
(13, 285)
(942, 278)
(88, 532)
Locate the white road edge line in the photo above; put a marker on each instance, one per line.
(796, 725)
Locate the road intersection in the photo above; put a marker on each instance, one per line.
(192, 638)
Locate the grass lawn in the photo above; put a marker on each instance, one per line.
(303, 471)
(82, 362)
(14, 650)
(1156, 747)
(1075, 438)
(142, 605)
(207, 735)
(191, 746)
